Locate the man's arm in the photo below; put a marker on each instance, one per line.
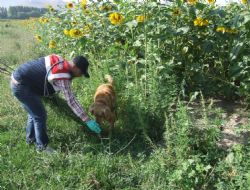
(65, 88)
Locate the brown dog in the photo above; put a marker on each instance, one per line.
(103, 107)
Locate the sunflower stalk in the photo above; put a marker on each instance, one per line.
(146, 47)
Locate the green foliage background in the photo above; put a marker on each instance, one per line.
(166, 44)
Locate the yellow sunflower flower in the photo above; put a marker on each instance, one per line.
(38, 38)
(197, 21)
(101, 8)
(204, 22)
(75, 33)
(66, 32)
(211, 1)
(140, 18)
(43, 20)
(176, 12)
(108, 8)
(221, 29)
(231, 31)
(84, 4)
(70, 5)
(73, 23)
(116, 18)
(51, 9)
(200, 22)
(105, 8)
(192, 2)
(52, 44)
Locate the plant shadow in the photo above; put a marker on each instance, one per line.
(136, 132)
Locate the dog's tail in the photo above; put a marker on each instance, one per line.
(109, 79)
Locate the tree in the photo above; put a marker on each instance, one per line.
(3, 12)
(22, 12)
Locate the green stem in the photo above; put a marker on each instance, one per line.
(146, 48)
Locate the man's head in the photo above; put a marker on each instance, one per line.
(80, 66)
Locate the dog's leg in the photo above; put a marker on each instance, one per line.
(112, 121)
(99, 121)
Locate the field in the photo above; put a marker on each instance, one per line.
(171, 133)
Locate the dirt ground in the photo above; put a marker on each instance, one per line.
(234, 117)
(236, 128)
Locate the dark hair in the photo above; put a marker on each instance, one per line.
(82, 63)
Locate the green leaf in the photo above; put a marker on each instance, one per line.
(236, 50)
(183, 30)
(208, 46)
(194, 96)
(230, 158)
(152, 4)
(184, 50)
(72, 54)
(219, 12)
(137, 43)
(235, 21)
(234, 70)
(246, 17)
(208, 167)
(132, 24)
(200, 6)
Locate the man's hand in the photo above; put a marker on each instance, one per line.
(94, 126)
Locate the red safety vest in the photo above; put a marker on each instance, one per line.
(57, 68)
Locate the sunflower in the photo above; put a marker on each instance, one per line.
(205, 22)
(73, 23)
(38, 38)
(231, 31)
(176, 12)
(43, 20)
(116, 18)
(75, 33)
(200, 22)
(221, 29)
(105, 8)
(84, 4)
(140, 18)
(70, 5)
(52, 44)
(192, 2)
(51, 9)
(244, 2)
(66, 32)
(211, 1)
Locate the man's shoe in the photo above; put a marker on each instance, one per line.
(30, 141)
(46, 149)
(50, 150)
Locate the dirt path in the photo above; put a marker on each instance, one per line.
(235, 119)
(236, 126)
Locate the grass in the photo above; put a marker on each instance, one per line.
(183, 157)
(82, 160)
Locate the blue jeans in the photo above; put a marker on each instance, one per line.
(36, 130)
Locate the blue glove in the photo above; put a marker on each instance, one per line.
(94, 126)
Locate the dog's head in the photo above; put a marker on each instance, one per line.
(101, 111)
